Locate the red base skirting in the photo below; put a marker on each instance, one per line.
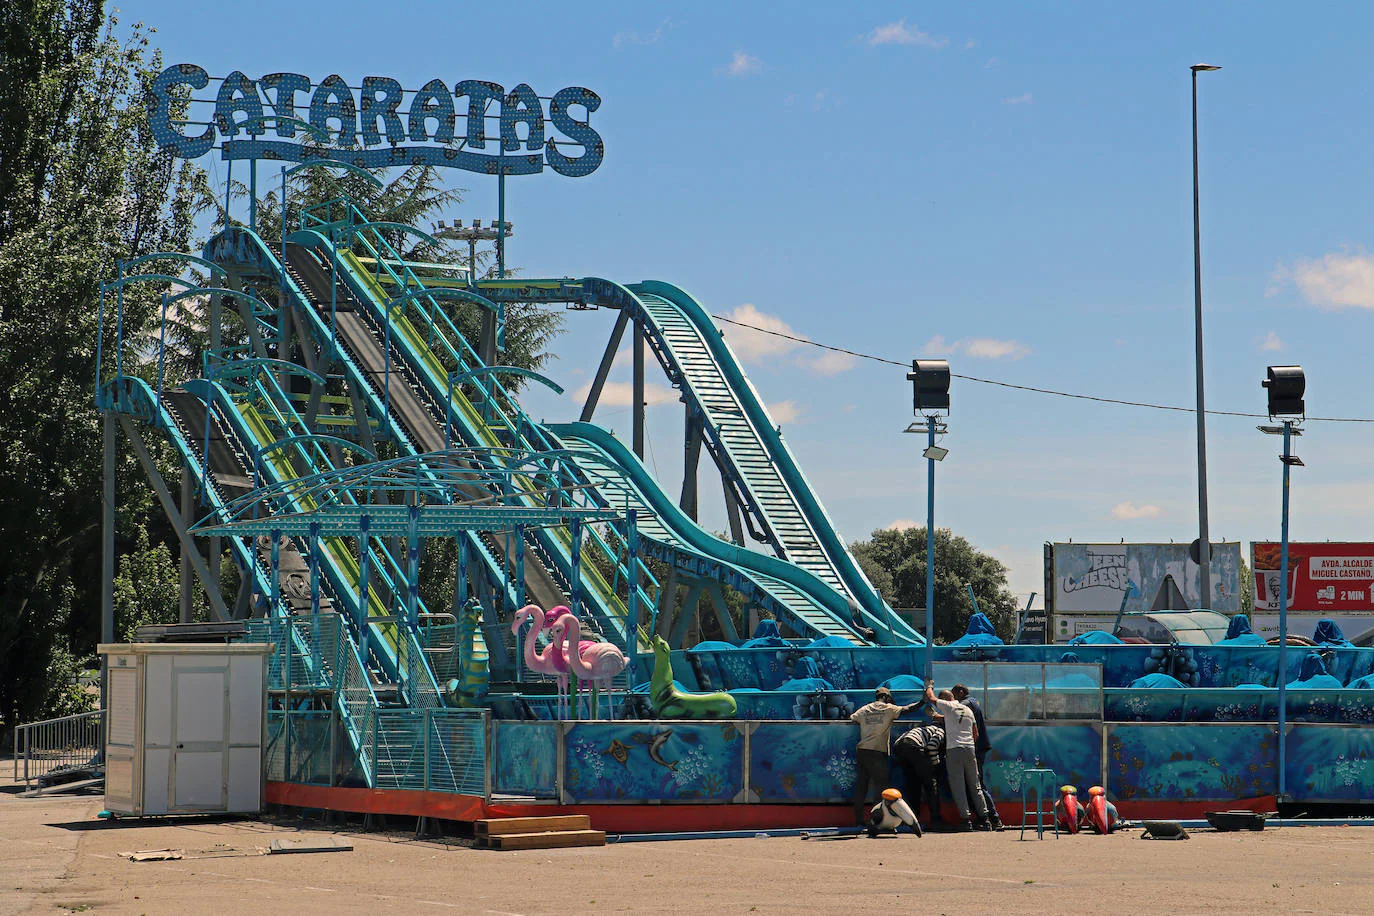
(650, 818)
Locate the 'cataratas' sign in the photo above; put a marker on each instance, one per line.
(371, 129)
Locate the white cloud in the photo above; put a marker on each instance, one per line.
(898, 33)
(832, 363)
(902, 524)
(1024, 98)
(1128, 511)
(749, 344)
(621, 394)
(757, 347)
(1335, 281)
(742, 64)
(785, 412)
(621, 39)
(978, 347)
(970, 44)
(992, 62)
(991, 348)
(1271, 342)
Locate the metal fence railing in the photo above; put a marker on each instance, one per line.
(71, 741)
(435, 749)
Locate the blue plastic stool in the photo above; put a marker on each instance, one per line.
(1036, 778)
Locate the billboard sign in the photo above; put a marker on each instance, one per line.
(1107, 578)
(286, 117)
(1325, 577)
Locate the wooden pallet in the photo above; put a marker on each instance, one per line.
(560, 832)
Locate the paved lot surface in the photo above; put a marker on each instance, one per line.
(55, 857)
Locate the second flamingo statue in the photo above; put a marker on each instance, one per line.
(551, 660)
(597, 663)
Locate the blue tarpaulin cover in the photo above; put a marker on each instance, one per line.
(766, 635)
(1238, 633)
(1328, 634)
(830, 642)
(1314, 675)
(979, 633)
(903, 682)
(1157, 680)
(1095, 638)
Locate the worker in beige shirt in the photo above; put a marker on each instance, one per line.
(871, 757)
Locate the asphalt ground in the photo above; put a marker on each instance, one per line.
(56, 856)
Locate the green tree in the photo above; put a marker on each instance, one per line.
(415, 197)
(1247, 590)
(895, 562)
(81, 186)
(147, 587)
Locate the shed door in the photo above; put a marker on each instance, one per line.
(199, 696)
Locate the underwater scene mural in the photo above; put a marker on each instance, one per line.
(1330, 764)
(525, 758)
(663, 761)
(1191, 762)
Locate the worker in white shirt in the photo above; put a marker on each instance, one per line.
(961, 734)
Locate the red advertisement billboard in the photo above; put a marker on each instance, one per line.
(1322, 576)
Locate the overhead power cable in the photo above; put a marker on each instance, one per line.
(1031, 388)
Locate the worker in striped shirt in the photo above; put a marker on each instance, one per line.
(920, 752)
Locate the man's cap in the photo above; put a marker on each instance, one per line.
(883, 692)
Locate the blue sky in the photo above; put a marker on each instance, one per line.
(1007, 185)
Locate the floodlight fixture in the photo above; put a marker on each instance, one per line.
(935, 453)
(929, 385)
(1203, 68)
(1285, 386)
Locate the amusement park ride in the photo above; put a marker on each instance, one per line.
(341, 421)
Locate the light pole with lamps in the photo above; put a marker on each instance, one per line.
(499, 231)
(1204, 551)
(929, 396)
(1285, 386)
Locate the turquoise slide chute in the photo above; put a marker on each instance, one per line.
(751, 444)
(814, 607)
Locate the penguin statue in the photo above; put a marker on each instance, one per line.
(890, 813)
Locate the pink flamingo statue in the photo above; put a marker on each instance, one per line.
(548, 661)
(561, 657)
(550, 618)
(598, 663)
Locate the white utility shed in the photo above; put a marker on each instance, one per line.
(185, 727)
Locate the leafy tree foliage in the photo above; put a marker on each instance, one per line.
(415, 197)
(1247, 590)
(895, 562)
(147, 587)
(82, 185)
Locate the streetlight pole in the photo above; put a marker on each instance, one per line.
(930, 395)
(1288, 431)
(1283, 614)
(500, 231)
(930, 547)
(1204, 544)
(1286, 386)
